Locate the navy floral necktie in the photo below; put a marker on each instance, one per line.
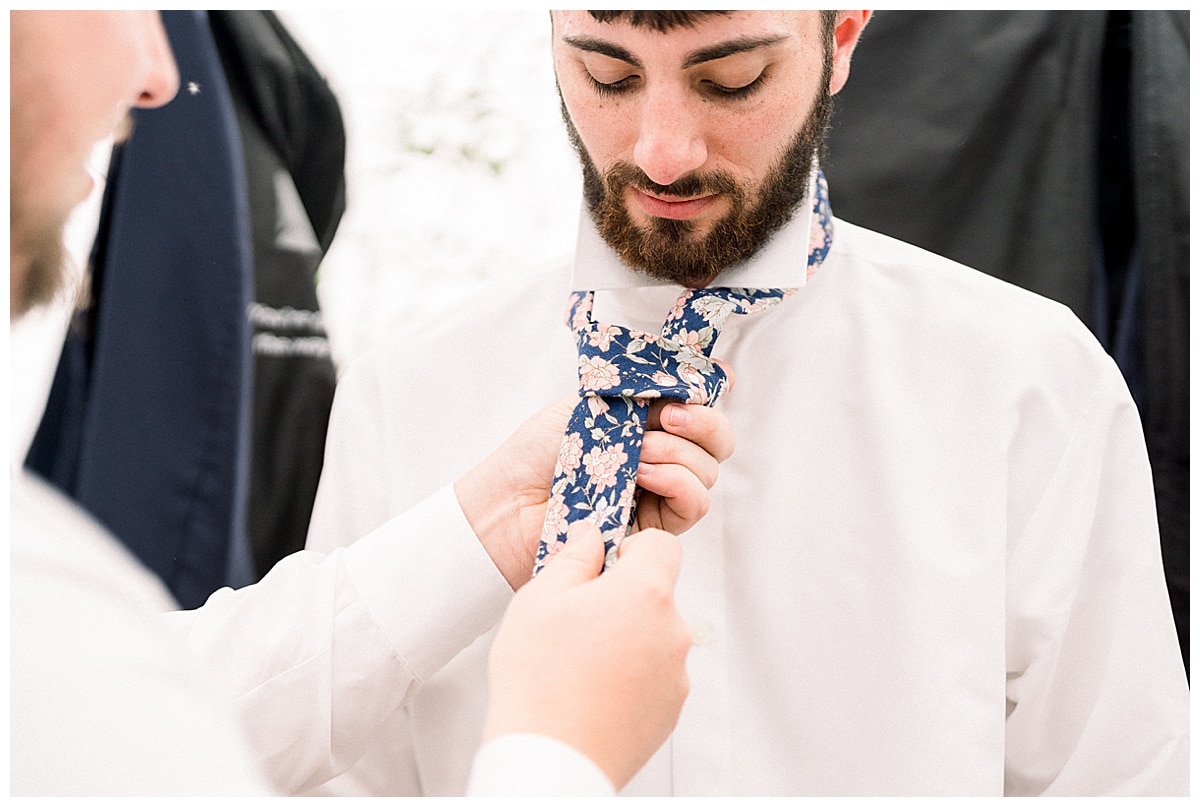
(620, 371)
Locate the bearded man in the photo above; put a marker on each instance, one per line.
(930, 568)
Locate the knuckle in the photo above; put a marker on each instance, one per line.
(661, 446)
(660, 594)
(684, 634)
(728, 449)
(693, 507)
(673, 548)
(683, 687)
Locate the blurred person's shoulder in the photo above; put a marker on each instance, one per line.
(105, 699)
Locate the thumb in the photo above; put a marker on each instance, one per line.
(580, 559)
(652, 555)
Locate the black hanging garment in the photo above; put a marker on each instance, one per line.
(294, 143)
(1050, 149)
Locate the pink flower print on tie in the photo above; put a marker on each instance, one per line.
(693, 340)
(692, 377)
(603, 465)
(602, 336)
(570, 454)
(597, 374)
(714, 310)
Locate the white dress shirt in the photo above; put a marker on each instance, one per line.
(931, 566)
(104, 700)
(113, 692)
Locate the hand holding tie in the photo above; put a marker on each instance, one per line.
(504, 497)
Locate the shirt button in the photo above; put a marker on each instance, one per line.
(701, 634)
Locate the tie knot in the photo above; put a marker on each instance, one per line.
(615, 361)
(703, 311)
(624, 362)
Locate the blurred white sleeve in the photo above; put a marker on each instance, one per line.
(317, 655)
(534, 765)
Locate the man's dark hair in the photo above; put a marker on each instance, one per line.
(663, 21)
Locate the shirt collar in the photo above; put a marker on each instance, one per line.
(781, 263)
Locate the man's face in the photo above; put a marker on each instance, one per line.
(74, 76)
(696, 142)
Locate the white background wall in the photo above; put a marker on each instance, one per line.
(458, 167)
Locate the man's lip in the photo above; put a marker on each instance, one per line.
(669, 208)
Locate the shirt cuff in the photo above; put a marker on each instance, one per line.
(535, 765)
(428, 582)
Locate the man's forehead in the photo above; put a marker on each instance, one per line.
(699, 30)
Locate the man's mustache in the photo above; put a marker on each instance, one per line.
(625, 174)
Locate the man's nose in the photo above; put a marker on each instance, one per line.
(161, 80)
(671, 140)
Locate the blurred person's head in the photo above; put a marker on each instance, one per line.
(74, 75)
(697, 131)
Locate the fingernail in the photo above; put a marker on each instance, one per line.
(677, 415)
(645, 468)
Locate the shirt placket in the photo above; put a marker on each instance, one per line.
(702, 745)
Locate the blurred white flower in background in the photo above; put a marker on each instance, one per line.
(458, 168)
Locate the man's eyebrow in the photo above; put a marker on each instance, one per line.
(720, 51)
(593, 45)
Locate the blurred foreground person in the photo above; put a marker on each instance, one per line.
(278, 686)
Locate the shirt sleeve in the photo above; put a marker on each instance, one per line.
(102, 702)
(323, 649)
(1097, 694)
(535, 765)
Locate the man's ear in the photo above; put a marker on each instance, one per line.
(846, 32)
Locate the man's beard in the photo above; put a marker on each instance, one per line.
(37, 254)
(667, 248)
